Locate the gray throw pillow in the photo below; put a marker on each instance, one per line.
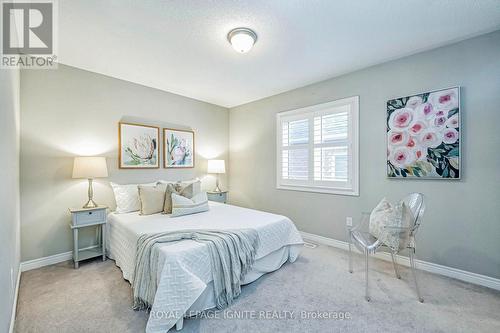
(185, 190)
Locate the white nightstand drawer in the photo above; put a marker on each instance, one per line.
(89, 217)
(217, 196)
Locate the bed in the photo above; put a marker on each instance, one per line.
(184, 277)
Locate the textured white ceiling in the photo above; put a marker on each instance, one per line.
(180, 45)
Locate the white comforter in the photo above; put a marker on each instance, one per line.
(185, 265)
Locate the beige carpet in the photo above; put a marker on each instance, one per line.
(95, 298)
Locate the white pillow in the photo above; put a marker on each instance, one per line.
(167, 181)
(184, 206)
(387, 219)
(127, 197)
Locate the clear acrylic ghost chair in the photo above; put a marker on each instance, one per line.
(368, 244)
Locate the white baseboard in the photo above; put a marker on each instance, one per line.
(458, 274)
(14, 305)
(46, 261)
(50, 260)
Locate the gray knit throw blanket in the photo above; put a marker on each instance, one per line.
(232, 254)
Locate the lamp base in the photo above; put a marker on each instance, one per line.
(217, 188)
(90, 204)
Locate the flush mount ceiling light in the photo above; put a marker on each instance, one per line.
(242, 39)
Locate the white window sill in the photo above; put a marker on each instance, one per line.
(338, 191)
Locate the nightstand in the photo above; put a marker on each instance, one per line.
(89, 217)
(217, 196)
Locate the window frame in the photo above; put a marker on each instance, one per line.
(353, 145)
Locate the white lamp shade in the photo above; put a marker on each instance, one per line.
(216, 166)
(90, 167)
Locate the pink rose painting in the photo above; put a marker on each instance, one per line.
(423, 135)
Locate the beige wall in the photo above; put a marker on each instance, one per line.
(461, 227)
(70, 112)
(9, 192)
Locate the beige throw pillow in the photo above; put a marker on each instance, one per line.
(152, 198)
(185, 190)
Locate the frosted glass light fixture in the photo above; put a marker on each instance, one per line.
(242, 39)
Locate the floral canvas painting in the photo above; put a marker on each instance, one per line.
(138, 146)
(178, 148)
(423, 135)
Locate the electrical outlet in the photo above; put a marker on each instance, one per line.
(348, 221)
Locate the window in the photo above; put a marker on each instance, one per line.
(318, 148)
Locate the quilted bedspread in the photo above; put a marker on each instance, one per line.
(184, 267)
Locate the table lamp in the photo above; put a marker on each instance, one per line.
(217, 167)
(90, 168)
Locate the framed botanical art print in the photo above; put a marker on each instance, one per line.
(138, 146)
(178, 148)
(424, 136)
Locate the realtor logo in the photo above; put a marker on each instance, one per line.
(28, 34)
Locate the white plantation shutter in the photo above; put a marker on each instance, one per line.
(331, 147)
(295, 156)
(318, 148)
